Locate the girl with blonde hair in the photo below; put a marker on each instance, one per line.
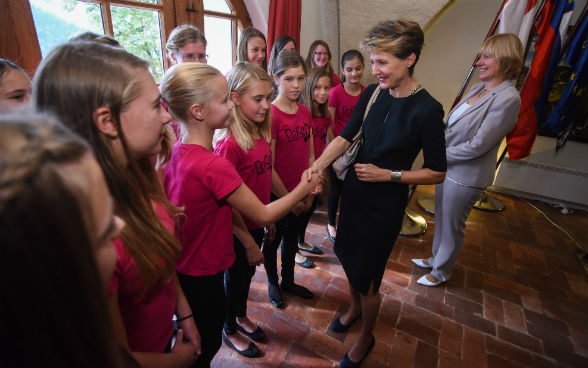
(208, 187)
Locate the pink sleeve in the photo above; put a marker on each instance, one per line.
(230, 151)
(221, 178)
(334, 97)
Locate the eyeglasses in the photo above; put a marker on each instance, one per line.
(321, 53)
(191, 57)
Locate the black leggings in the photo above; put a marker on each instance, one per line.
(304, 220)
(334, 195)
(206, 297)
(237, 282)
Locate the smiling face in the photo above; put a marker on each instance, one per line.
(256, 50)
(291, 82)
(191, 52)
(255, 103)
(488, 67)
(353, 71)
(15, 91)
(320, 94)
(321, 56)
(289, 46)
(216, 110)
(143, 119)
(390, 70)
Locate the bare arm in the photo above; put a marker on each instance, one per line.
(330, 134)
(372, 173)
(278, 187)
(331, 152)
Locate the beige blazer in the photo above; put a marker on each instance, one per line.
(473, 140)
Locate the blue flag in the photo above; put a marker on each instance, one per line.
(564, 114)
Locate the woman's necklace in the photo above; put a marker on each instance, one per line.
(483, 92)
(411, 93)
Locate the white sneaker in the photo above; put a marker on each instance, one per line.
(420, 262)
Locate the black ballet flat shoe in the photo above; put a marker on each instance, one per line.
(274, 295)
(252, 350)
(337, 326)
(256, 335)
(348, 363)
(299, 290)
(331, 237)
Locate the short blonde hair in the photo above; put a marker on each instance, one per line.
(507, 48)
(184, 85)
(243, 77)
(400, 38)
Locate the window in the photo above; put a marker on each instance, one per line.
(221, 31)
(136, 24)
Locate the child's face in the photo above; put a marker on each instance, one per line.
(321, 56)
(191, 52)
(353, 70)
(320, 94)
(291, 83)
(255, 103)
(289, 46)
(15, 91)
(217, 109)
(256, 50)
(143, 120)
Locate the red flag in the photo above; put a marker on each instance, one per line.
(520, 140)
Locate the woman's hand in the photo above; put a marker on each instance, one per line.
(371, 173)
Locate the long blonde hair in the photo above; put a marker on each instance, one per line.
(72, 82)
(242, 77)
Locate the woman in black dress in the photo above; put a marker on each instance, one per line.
(403, 119)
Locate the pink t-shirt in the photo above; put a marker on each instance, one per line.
(319, 133)
(254, 167)
(198, 180)
(147, 316)
(292, 133)
(344, 105)
(335, 79)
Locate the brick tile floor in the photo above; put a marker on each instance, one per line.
(517, 298)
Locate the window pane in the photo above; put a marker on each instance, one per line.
(219, 37)
(139, 32)
(218, 6)
(58, 20)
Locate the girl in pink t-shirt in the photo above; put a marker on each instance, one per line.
(315, 96)
(342, 100)
(292, 153)
(245, 143)
(207, 186)
(117, 110)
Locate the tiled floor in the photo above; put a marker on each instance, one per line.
(518, 298)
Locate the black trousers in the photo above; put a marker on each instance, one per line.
(206, 297)
(304, 220)
(238, 281)
(333, 198)
(286, 230)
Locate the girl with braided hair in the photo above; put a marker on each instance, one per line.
(108, 96)
(56, 231)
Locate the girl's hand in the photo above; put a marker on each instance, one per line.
(270, 233)
(308, 202)
(254, 256)
(183, 351)
(298, 209)
(371, 173)
(191, 334)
